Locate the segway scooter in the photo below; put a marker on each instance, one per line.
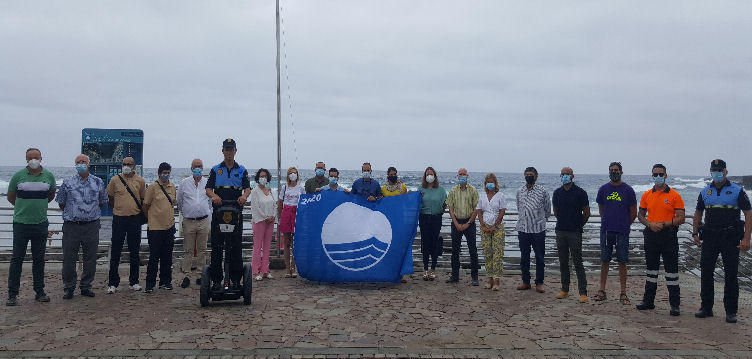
(228, 216)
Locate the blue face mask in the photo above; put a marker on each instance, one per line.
(659, 180)
(462, 179)
(490, 186)
(197, 172)
(717, 176)
(332, 180)
(366, 175)
(566, 179)
(319, 172)
(81, 168)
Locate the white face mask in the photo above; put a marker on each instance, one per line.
(293, 177)
(262, 181)
(127, 170)
(430, 178)
(34, 163)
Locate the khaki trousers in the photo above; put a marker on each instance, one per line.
(195, 236)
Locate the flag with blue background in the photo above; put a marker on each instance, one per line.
(341, 237)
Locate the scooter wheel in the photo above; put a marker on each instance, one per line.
(205, 286)
(247, 284)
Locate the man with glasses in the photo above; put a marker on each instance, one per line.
(126, 196)
(661, 211)
(724, 233)
(617, 205)
(462, 201)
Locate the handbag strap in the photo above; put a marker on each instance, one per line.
(165, 193)
(131, 192)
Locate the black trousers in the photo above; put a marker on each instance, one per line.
(661, 244)
(234, 252)
(723, 243)
(125, 227)
(430, 241)
(161, 244)
(470, 237)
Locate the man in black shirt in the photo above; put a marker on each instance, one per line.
(572, 210)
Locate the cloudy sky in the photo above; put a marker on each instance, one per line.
(488, 85)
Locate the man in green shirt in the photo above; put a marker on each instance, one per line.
(462, 200)
(29, 191)
(318, 181)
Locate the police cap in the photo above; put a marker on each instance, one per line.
(228, 143)
(718, 165)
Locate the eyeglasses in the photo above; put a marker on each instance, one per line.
(127, 164)
(659, 175)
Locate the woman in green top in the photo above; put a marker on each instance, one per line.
(431, 211)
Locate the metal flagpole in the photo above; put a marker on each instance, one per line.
(279, 127)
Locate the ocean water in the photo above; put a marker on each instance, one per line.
(688, 186)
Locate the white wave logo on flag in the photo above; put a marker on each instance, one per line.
(356, 238)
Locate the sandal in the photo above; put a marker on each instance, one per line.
(623, 299)
(425, 275)
(288, 275)
(601, 296)
(432, 276)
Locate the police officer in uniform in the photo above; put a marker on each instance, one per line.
(227, 181)
(723, 233)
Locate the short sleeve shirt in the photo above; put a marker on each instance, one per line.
(433, 200)
(124, 203)
(463, 201)
(491, 207)
(32, 192)
(228, 183)
(661, 205)
(569, 205)
(723, 206)
(616, 201)
(161, 212)
(291, 195)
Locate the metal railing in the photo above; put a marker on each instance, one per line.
(689, 256)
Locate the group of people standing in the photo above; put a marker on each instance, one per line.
(661, 210)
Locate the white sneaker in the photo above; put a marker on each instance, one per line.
(111, 289)
(258, 277)
(136, 287)
(269, 276)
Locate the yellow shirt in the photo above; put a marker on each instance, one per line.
(402, 189)
(124, 204)
(161, 212)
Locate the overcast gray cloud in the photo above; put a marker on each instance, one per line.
(488, 85)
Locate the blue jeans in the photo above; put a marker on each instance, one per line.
(538, 242)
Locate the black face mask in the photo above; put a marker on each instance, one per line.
(614, 176)
(392, 179)
(530, 179)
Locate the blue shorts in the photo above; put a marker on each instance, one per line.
(611, 239)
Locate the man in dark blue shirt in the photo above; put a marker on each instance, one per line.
(227, 181)
(366, 186)
(724, 233)
(572, 210)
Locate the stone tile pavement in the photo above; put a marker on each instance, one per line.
(295, 318)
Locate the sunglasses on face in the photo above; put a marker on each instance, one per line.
(659, 175)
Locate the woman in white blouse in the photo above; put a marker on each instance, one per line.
(287, 208)
(491, 209)
(263, 211)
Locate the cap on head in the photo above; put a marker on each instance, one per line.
(718, 165)
(229, 143)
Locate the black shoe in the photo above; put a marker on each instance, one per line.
(193, 268)
(217, 287)
(198, 281)
(474, 282)
(674, 311)
(645, 306)
(730, 317)
(165, 286)
(186, 282)
(702, 313)
(12, 301)
(88, 293)
(453, 280)
(235, 287)
(148, 290)
(42, 297)
(68, 294)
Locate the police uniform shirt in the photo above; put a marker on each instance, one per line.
(723, 206)
(228, 183)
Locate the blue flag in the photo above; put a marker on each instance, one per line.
(340, 237)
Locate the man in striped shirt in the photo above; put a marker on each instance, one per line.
(29, 191)
(534, 207)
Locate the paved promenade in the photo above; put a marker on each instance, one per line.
(295, 318)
